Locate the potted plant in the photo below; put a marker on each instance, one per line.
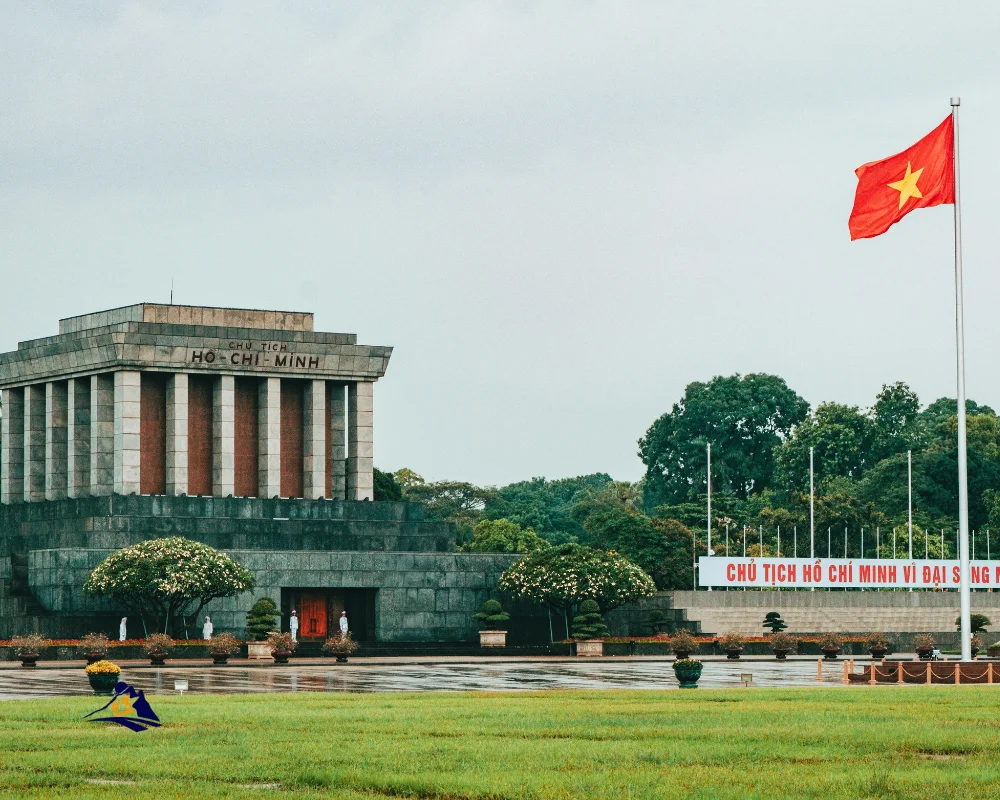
(28, 647)
(221, 646)
(773, 622)
(732, 643)
(688, 671)
(490, 617)
(683, 644)
(993, 651)
(977, 645)
(924, 644)
(103, 676)
(340, 646)
(877, 644)
(156, 646)
(94, 646)
(589, 629)
(782, 644)
(261, 622)
(281, 645)
(830, 643)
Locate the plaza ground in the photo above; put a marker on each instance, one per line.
(869, 742)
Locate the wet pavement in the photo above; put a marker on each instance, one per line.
(442, 675)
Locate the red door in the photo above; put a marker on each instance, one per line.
(312, 616)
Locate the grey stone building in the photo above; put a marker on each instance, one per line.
(243, 429)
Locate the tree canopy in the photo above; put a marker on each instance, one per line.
(503, 536)
(168, 580)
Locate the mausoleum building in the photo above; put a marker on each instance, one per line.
(245, 429)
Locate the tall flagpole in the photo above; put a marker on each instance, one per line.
(965, 599)
(909, 503)
(709, 477)
(812, 516)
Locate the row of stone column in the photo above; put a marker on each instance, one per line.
(82, 436)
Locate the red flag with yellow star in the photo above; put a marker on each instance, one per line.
(919, 177)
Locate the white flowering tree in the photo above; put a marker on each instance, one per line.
(168, 580)
(563, 577)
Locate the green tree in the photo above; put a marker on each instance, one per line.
(407, 479)
(895, 420)
(386, 488)
(745, 418)
(261, 619)
(588, 623)
(562, 577)
(544, 505)
(167, 579)
(452, 501)
(841, 437)
(503, 536)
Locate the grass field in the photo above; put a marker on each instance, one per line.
(886, 742)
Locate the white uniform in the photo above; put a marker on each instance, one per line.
(207, 628)
(121, 630)
(343, 626)
(293, 626)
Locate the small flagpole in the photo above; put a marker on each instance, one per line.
(965, 599)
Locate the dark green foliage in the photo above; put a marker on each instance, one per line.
(386, 487)
(545, 506)
(491, 615)
(656, 621)
(978, 622)
(744, 418)
(588, 623)
(503, 536)
(774, 622)
(261, 619)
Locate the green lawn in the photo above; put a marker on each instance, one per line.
(886, 742)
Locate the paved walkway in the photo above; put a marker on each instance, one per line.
(54, 679)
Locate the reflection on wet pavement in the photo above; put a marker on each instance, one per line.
(411, 677)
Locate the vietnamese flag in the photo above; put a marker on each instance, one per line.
(919, 177)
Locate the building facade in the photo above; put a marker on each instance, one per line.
(244, 429)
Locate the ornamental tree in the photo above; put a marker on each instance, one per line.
(563, 577)
(167, 579)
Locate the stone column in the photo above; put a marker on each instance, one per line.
(338, 441)
(269, 437)
(224, 436)
(177, 434)
(56, 439)
(314, 440)
(78, 437)
(34, 443)
(12, 447)
(102, 434)
(128, 395)
(360, 479)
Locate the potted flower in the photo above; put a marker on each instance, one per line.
(94, 646)
(683, 644)
(589, 629)
(156, 646)
(782, 644)
(830, 643)
(28, 647)
(341, 646)
(688, 671)
(282, 645)
(261, 622)
(221, 646)
(103, 676)
(732, 643)
(977, 644)
(877, 644)
(924, 644)
(490, 617)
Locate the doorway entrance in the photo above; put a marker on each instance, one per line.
(319, 612)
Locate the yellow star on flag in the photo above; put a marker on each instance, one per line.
(907, 187)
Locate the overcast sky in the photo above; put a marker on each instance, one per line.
(559, 214)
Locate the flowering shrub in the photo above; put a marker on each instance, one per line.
(102, 668)
(924, 641)
(224, 643)
(687, 663)
(830, 641)
(683, 640)
(731, 640)
(566, 575)
(783, 641)
(340, 645)
(94, 643)
(282, 642)
(876, 640)
(164, 578)
(30, 643)
(157, 643)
